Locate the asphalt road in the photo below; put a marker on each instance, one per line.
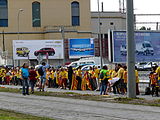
(73, 109)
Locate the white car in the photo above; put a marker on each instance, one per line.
(144, 48)
(87, 67)
(145, 65)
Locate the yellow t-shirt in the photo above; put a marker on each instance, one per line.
(125, 76)
(120, 73)
(114, 74)
(137, 78)
(78, 73)
(52, 74)
(64, 74)
(48, 74)
(158, 72)
(97, 73)
(19, 74)
(1, 73)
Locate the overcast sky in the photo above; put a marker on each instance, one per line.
(140, 6)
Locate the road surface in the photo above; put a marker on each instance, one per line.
(73, 109)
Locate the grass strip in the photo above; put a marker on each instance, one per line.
(106, 98)
(11, 115)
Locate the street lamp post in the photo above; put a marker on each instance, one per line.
(63, 37)
(99, 35)
(19, 11)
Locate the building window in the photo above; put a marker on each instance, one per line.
(3, 13)
(36, 14)
(75, 13)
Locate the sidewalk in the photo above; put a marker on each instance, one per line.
(147, 97)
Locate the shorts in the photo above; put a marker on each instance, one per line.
(43, 80)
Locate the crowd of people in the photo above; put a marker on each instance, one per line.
(105, 80)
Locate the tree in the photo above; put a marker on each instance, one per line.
(143, 28)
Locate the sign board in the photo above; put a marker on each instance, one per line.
(81, 47)
(24, 49)
(147, 45)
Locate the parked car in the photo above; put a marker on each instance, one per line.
(44, 51)
(81, 63)
(22, 52)
(87, 67)
(145, 65)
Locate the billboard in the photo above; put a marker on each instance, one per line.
(32, 49)
(147, 45)
(81, 47)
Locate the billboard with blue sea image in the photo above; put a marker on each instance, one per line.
(81, 47)
(147, 45)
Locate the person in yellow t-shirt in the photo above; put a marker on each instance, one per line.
(92, 78)
(78, 73)
(64, 76)
(125, 77)
(50, 78)
(118, 85)
(137, 81)
(16, 76)
(158, 79)
(19, 76)
(55, 72)
(97, 71)
(153, 81)
(53, 77)
(1, 75)
(158, 72)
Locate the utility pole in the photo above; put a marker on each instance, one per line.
(131, 50)
(157, 26)
(123, 6)
(63, 37)
(99, 35)
(120, 6)
(102, 7)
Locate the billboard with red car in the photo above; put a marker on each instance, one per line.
(53, 49)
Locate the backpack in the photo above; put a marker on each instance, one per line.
(40, 71)
(101, 76)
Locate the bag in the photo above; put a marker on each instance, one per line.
(40, 71)
(147, 91)
(101, 76)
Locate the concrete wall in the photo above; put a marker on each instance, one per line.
(109, 20)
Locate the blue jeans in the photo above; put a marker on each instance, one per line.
(32, 83)
(25, 84)
(103, 87)
(43, 80)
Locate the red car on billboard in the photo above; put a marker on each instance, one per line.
(44, 51)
